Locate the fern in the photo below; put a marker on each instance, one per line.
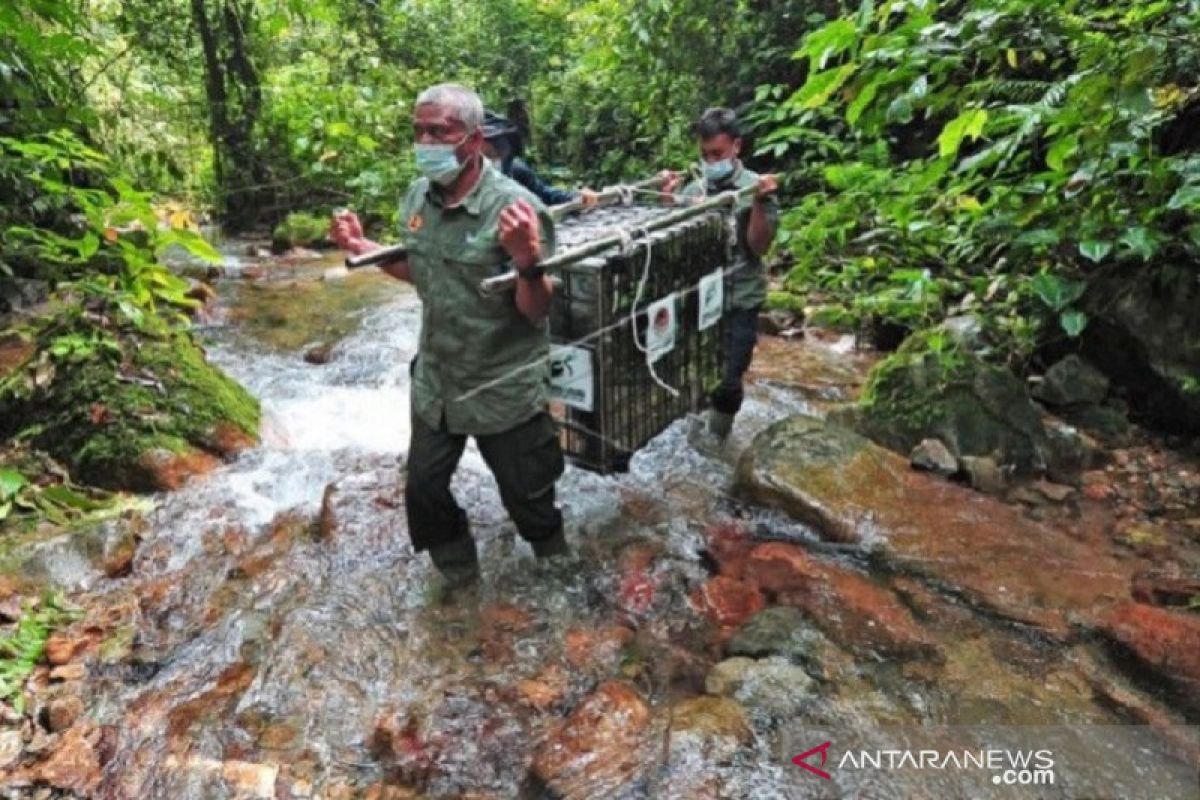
(21, 650)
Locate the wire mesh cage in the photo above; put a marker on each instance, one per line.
(651, 307)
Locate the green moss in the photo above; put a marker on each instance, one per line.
(99, 411)
(300, 229)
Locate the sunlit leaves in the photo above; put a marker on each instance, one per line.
(967, 125)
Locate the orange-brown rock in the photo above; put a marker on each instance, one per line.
(597, 749)
(585, 647)
(164, 471)
(1166, 641)
(545, 689)
(851, 490)
(227, 439)
(73, 765)
(726, 601)
(845, 605)
(61, 712)
(61, 648)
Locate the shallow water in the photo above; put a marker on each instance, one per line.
(266, 647)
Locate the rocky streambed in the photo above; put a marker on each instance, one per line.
(267, 632)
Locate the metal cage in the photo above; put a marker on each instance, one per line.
(607, 401)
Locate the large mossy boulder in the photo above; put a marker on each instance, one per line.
(123, 406)
(935, 388)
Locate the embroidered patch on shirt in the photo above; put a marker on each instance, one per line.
(416, 222)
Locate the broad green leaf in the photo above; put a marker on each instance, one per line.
(1060, 151)
(88, 245)
(11, 482)
(1056, 292)
(1073, 322)
(821, 86)
(1039, 237)
(827, 42)
(5, 509)
(1140, 242)
(862, 100)
(1011, 55)
(968, 124)
(1185, 197)
(1095, 250)
(68, 497)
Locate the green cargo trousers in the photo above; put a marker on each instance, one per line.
(526, 461)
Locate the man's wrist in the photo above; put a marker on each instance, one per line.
(534, 272)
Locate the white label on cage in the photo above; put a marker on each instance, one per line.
(712, 299)
(571, 376)
(660, 328)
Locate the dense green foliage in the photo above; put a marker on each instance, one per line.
(992, 156)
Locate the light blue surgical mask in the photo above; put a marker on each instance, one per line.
(718, 170)
(438, 161)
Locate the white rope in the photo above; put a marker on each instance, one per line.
(633, 327)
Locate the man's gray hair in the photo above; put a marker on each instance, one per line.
(467, 106)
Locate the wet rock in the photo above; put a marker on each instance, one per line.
(69, 672)
(319, 354)
(61, 712)
(599, 647)
(327, 519)
(387, 791)
(847, 606)
(15, 351)
(779, 631)
(1069, 452)
(771, 685)
(1145, 340)
(727, 601)
(1054, 492)
(546, 689)
(1166, 641)
(250, 780)
(1165, 590)
(944, 392)
(597, 750)
(1072, 381)
(201, 292)
(10, 747)
(850, 490)
(932, 455)
(73, 765)
(227, 440)
(717, 727)
(118, 558)
(161, 470)
(984, 474)
(775, 321)
(61, 648)
(1107, 424)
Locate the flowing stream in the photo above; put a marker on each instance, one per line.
(277, 636)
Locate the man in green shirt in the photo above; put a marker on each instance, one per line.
(481, 366)
(720, 138)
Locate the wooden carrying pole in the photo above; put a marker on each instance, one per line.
(508, 280)
(607, 196)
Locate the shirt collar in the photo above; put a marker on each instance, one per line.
(472, 201)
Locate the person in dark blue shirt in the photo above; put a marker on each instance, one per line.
(502, 144)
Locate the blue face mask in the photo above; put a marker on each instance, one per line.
(718, 170)
(438, 161)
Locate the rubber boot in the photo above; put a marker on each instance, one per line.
(719, 424)
(551, 546)
(457, 561)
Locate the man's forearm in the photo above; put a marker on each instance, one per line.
(397, 269)
(759, 232)
(533, 298)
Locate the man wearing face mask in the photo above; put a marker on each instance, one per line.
(502, 145)
(720, 138)
(480, 370)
